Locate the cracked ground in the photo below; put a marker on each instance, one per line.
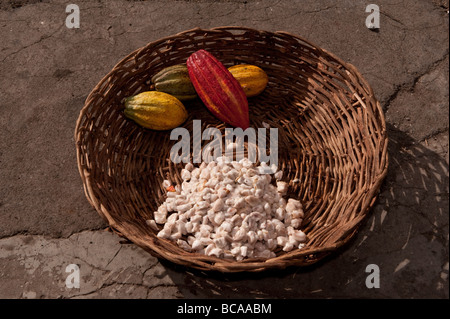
(46, 223)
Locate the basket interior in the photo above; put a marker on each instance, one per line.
(331, 134)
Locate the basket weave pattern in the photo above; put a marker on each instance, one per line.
(331, 130)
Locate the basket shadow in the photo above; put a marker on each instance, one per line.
(383, 237)
(408, 231)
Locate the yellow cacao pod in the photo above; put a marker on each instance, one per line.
(253, 79)
(155, 110)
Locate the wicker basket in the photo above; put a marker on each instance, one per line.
(332, 139)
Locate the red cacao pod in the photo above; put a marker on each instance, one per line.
(218, 89)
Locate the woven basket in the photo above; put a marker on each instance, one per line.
(331, 128)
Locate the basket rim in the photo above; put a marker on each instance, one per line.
(221, 265)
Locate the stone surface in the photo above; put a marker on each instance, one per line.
(46, 223)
